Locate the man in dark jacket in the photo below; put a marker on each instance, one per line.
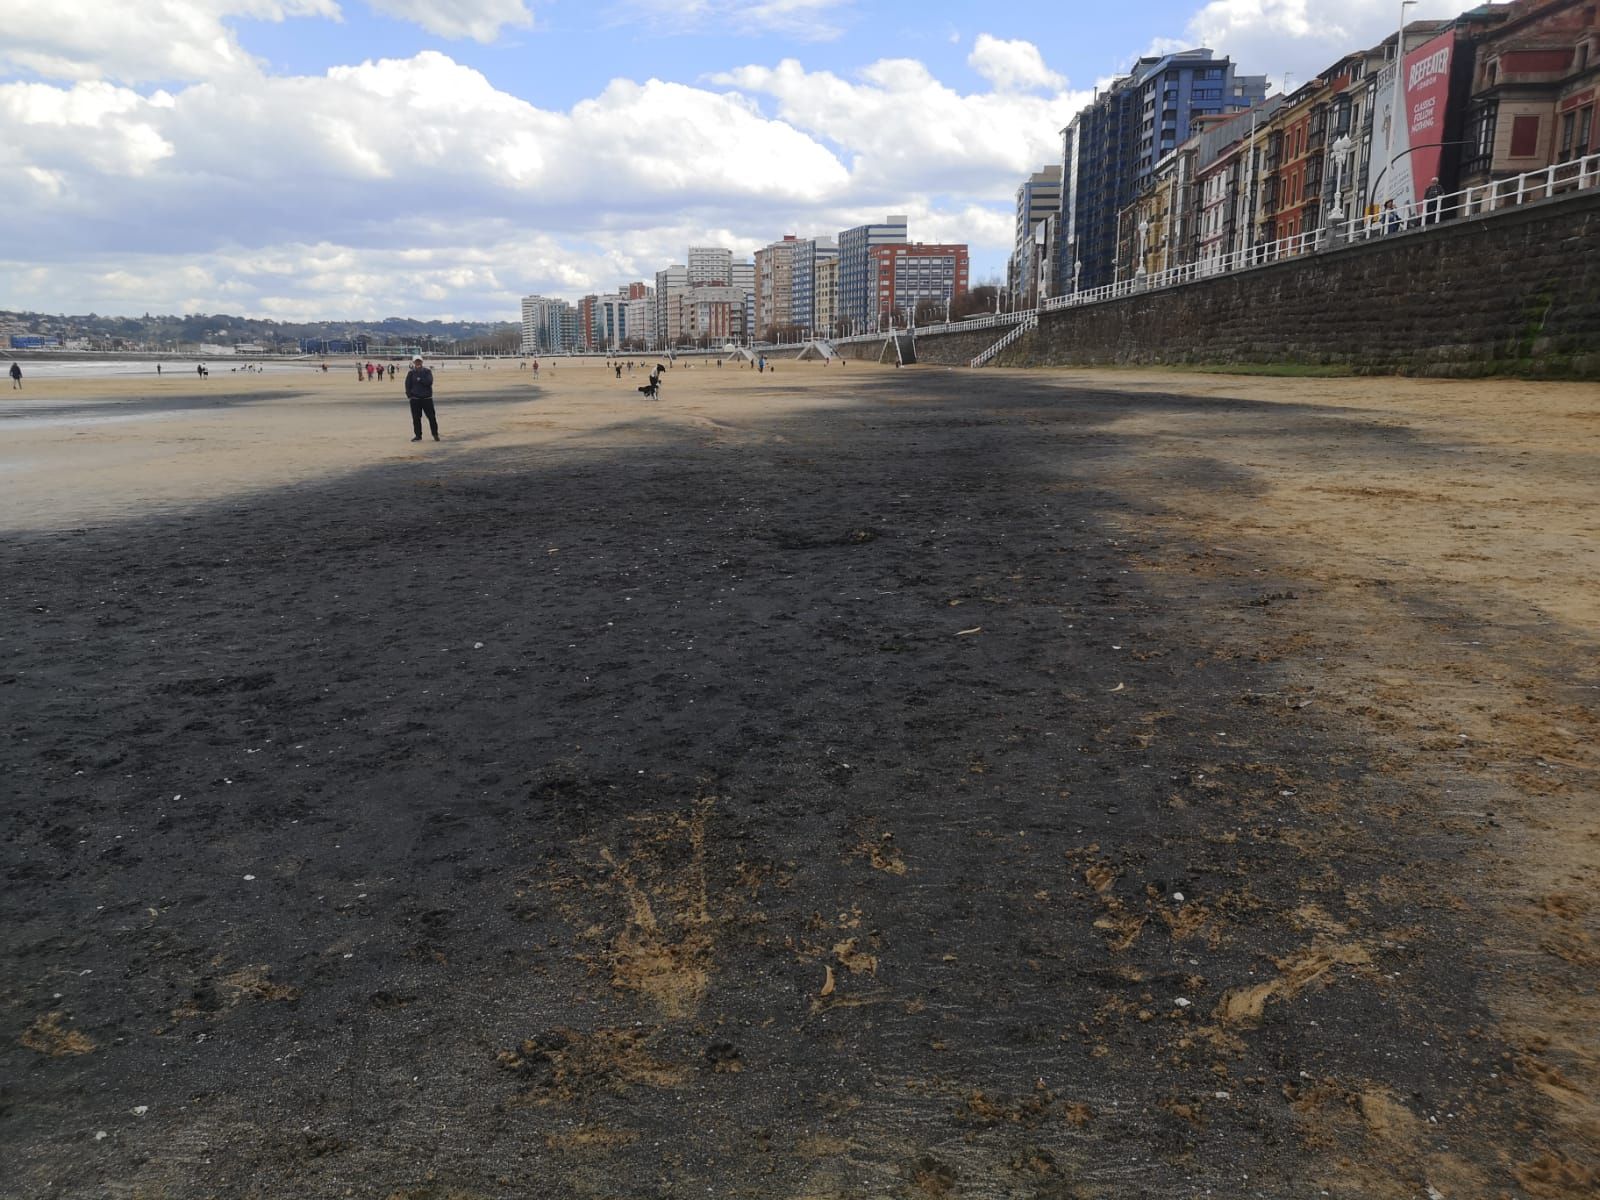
(419, 390)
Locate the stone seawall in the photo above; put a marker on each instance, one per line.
(1515, 293)
(958, 349)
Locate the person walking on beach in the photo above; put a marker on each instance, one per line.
(16, 376)
(419, 390)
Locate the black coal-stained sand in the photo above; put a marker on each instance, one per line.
(828, 807)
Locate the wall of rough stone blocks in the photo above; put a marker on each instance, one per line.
(1514, 293)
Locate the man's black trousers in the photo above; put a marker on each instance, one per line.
(419, 409)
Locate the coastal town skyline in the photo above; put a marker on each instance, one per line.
(301, 159)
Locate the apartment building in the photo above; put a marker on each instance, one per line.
(774, 272)
(710, 265)
(905, 276)
(1038, 202)
(808, 257)
(1111, 148)
(825, 317)
(857, 303)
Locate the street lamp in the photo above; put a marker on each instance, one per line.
(1144, 238)
(1397, 101)
(1341, 155)
(1077, 274)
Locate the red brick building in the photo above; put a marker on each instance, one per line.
(903, 276)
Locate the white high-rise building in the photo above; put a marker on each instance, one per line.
(1038, 202)
(546, 325)
(641, 322)
(744, 278)
(670, 285)
(710, 264)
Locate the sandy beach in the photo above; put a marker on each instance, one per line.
(839, 782)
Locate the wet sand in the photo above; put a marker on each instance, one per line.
(845, 782)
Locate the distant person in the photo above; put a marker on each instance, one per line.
(1430, 201)
(419, 390)
(1391, 218)
(158, 368)
(359, 376)
(16, 377)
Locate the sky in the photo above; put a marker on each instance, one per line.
(351, 159)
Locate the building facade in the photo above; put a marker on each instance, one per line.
(710, 264)
(905, 276)
(744, 278)
(857, 304)
(774, 273)
(588, 322)
(1533, 91)
(671, 283)
(713, 314)
(808, 258)
(549, 326)
(1038, 202)
(1111, 148)
(826, 315)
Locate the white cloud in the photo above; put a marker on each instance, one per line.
(480, 20)
(416, 186)
(418, 152)
(804, 20)
(908, 132)
(1269, 37)
(138, 42)
(1012, 65)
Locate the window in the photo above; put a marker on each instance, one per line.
(1585, 131)
(1525, 136)
(1480, 138)
(1569, 123)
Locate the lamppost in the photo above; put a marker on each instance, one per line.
(1341, 155)
(1144, 238)
(1397, 101)
(1077, 274)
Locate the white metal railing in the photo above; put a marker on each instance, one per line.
(987, 321)
(1029, 323)
(1480, 200)
(1477, 202)
(1483, 199)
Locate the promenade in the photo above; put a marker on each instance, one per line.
(838, 782)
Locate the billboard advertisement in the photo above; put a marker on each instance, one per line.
(1427, 91)
(1413, 143)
